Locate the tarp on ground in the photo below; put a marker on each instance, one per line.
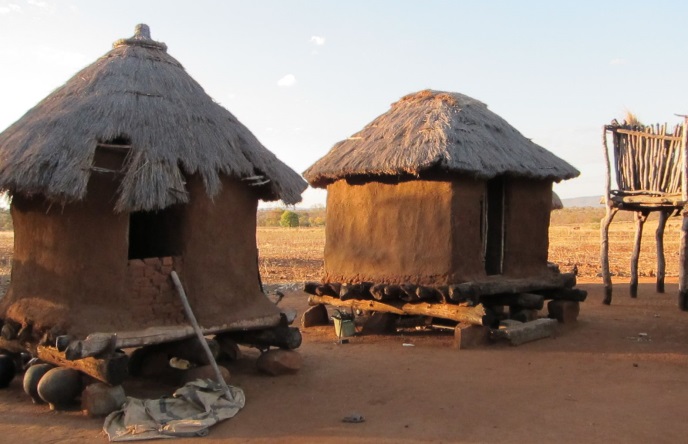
(190, 411)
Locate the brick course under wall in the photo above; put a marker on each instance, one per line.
(151, 289)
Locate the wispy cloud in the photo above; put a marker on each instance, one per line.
(10, 8)
(618, 61)
(318, 40)
(287, 81)
(38, 3)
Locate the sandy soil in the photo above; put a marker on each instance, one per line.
(597, 381)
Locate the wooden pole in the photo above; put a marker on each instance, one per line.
(458, 313)
(604, 225)
(640, 218)
(683, 249)
(197, 329)
(659, 239)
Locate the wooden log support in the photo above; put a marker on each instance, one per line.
(408, 293)
(565, 294)
(428, 293)
(310, 287)
(284, 337)
(458, 313)
(355, 291)
(526, 332)
(468, 336)
(604, 253)
(523, 300)
(507, 286)
(112, 370)
(640, 218)
(661, 260)
(328, 290)
(683, 249)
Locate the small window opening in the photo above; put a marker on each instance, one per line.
(155, 233)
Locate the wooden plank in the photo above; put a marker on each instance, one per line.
(636, 133)
(458, 313)
(683, 249)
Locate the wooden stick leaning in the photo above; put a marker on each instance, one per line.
(199, 333)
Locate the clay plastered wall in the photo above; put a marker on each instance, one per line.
(527, 227)
(389, 232)
(220, 255)
(467, 212)
(70, 263)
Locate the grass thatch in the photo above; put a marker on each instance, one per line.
(443, 132)
(139, 94)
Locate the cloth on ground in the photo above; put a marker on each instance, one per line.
(190, 411)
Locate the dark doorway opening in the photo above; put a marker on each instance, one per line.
(494, 225)
(155, 233)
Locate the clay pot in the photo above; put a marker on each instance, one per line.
(59, 387)
(31, 378)
(7, 370)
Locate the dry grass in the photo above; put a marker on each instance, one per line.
(295, 254)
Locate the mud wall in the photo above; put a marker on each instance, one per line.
(526, 242)
(220, 255)
(71, 266)
(70, 262)
(398, 233)
(466, 218)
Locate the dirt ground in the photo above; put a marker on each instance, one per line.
(596, 381)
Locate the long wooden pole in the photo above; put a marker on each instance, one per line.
(192, 319)
(640, 219)
(659, 239)
(458, 313)
(604, 225)
(683, 250)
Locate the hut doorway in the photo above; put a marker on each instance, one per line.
(494, 226)
(155, 233)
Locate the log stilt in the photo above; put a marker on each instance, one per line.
(112, 370)
(284, 337)
(523, 300)
(458, 313)
(659, 239)
(683, 265)
(510, 286)
(640, 218)
(604, 252)
(683, 249)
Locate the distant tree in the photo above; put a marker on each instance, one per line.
(289, 219)
(304, 220)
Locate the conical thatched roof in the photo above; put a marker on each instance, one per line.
(139, 94)
(438, 131)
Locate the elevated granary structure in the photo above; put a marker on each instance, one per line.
(120, 176)
(438, 198)
(646, 172)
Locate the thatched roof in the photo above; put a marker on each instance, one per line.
(434, 131)
(139, 94)
(557, 204)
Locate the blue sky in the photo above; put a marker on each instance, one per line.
(302, 75)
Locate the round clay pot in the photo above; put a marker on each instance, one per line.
(59, 387)
(31, 378)
(7, 370)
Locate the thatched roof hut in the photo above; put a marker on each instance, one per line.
(442, 132)
(436, 191)
(139, 96)
(124, 174)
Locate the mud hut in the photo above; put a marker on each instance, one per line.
(439, 195)
(120, 176)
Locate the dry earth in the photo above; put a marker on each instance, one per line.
(597, 381)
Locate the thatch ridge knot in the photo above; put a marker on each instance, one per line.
(142, 37)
